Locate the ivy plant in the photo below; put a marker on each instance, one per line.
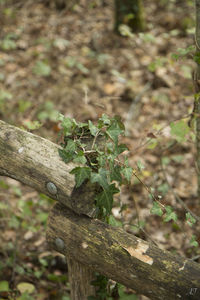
(96, 150)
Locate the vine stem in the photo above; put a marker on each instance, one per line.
(148, 190)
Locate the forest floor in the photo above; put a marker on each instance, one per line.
(71, 61)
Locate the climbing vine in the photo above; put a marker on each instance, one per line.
(97, 151)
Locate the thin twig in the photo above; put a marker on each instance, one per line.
(160, 130)
(148, 190)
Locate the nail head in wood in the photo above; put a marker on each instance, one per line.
(59, 244)
(52, 189)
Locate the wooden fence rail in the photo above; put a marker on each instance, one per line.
(89, 244)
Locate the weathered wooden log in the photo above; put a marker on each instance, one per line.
(34, 161)
(123, 257)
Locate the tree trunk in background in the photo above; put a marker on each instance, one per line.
(130, 13)
(61, 4)
(197, 91)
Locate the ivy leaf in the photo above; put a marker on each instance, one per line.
(67, 124)
(170, 214)
(66, 156)
(126, 161)
(193, 241)
(115, 173)
(71, 146)
(81, 174)
(105, 198)
(156, 209)
(190, 219)
(93, 129)
(140, 165)
(101, 160)
(121, 148)
(179, 129)
(104, 120)
(127, 172)
(80, 158)
(114, 130)
(110, 147)
(113, 222)
(101, 178)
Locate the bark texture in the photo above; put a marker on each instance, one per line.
(35, 161)
(123, 257)
(80, 280)
(131, 13)
(197, 91)
(61, 4)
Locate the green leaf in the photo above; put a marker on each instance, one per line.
(101, 178)
(163, 188)
(104, 120)
(42, 69)
(42, 217)
(115, 173)
(179, 129)
(81, 174)
(156, 209)
(127, 172)
(105, 198)
(193, 241)
(140, 165)
(101, 160)
(32, 125)
(71, 146)
(190, 219)
(110, 147)
(26, 287)
(8, 44)
(165, 160)
(113, 222)
(120, 149)
(66, 156)
(93, 129)
(152, 144)
(197, 58)
(80, 158)
(67, 124)
(4, 95)
(123, 295)
(170, 214)
(114, 130)
(177, 158)
(4, 286)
